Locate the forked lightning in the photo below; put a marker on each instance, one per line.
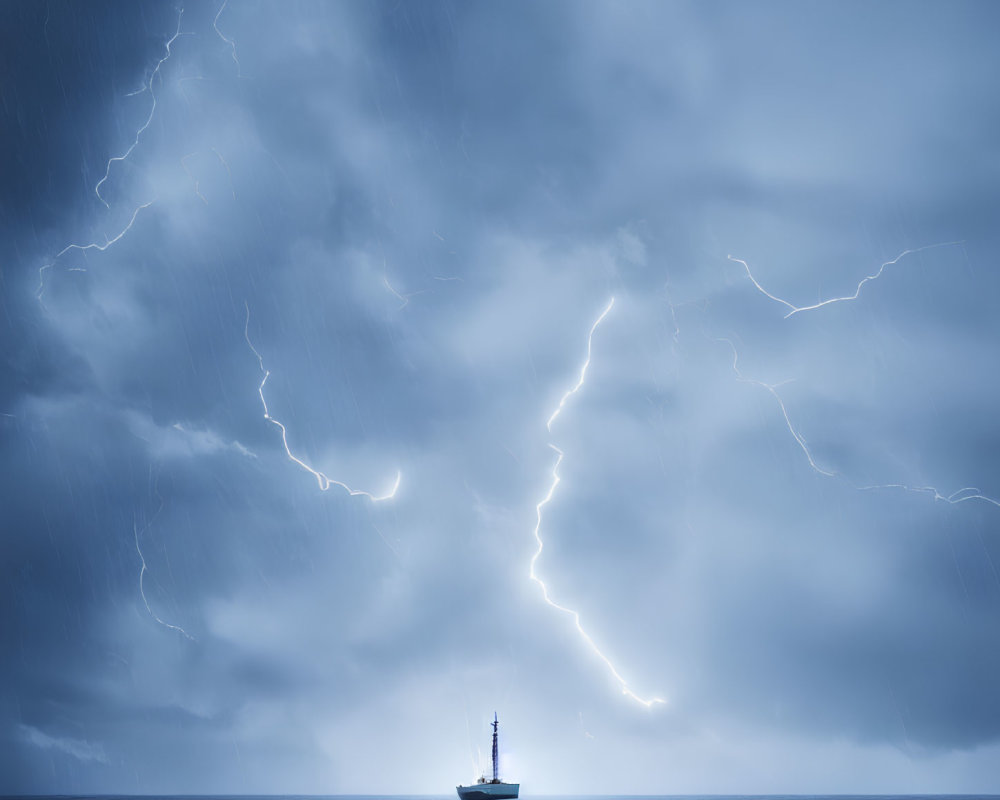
(324, 481)
(623, 684)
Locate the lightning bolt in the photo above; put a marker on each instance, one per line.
(575, 615)
(960, 496)
(583, 369)
(107, 170)
(794, 309)
(197, 183)
(85, 247)
(152, 110)
(324, 481)
(230, 42)
(773, 390)
(404, 297)
(142, 589)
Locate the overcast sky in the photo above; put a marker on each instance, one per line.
(778, 515)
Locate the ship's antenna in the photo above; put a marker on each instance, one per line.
(495, 778)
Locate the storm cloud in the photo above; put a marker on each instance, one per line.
(407, 218)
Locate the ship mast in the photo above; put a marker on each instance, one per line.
(495, 778)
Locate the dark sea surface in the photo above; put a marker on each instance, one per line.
(524, 796)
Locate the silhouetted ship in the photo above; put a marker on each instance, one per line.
(486, 789)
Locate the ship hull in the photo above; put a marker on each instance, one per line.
(489, 791)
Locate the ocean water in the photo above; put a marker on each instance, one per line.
(524, 796)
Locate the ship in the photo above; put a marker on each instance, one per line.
(485, 788)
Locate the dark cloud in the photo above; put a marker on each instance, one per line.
(416, 213)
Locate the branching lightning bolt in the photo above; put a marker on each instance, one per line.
(85, 247)
(794, 309)
(773, 389)
(230, 42)
(142, 589)
(152, 110)
(107, 170)
(324, 481)
(623, 684)
(962, 495)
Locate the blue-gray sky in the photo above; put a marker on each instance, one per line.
(424, 208)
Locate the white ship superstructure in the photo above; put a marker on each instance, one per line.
(486, 788)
